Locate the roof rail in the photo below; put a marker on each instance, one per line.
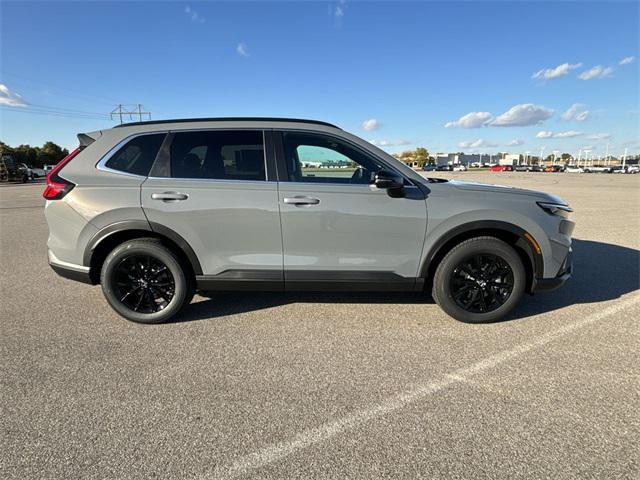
(227, 119)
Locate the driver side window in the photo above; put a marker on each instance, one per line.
(316, 158)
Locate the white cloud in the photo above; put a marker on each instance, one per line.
(523, 115)
(389, 143)
(338, 11)
(627, 60)
(193, 15)
(242, 49)
(12, 99)
(596, 72)
(515, 142)
(557, 72)
(544, 134)
(568, 134)
(576, 112)
(599, 136)
(470, 120)
(371, 124)
(589, 147)
(479, 143)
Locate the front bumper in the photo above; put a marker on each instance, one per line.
(547, 284)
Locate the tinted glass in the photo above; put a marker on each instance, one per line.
(137, 156)
(222, 155)
(322, 159)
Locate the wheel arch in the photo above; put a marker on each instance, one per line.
(107, 238)
(524, 243)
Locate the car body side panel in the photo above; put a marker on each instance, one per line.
(230, 225)
(450, 207)
(352, 228)
(69, 232)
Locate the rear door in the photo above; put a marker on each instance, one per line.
(339, 230)
(212, 187)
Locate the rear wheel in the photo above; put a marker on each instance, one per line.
(145, 282)
(480, 280)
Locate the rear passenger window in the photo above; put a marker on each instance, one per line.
(137, 156)
(221, 155)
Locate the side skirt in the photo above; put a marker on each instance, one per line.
(318, 281)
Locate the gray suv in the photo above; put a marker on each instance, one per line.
(155, 211)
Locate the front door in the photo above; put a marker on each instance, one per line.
(338, 229)
(215, 194)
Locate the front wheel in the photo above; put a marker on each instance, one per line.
(145, 282)
(480, 280)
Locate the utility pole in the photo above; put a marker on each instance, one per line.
(624, 158)
(138, 111)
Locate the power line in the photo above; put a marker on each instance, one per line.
(53, 113)
(76, 93)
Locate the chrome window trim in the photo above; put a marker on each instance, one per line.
(213, 180)
(101, 165)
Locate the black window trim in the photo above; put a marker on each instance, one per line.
(163, 156)
(283, 168)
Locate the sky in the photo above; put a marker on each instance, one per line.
(449, 76)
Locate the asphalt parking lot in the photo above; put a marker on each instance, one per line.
(328, 385)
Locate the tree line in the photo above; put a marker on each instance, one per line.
(35, 157)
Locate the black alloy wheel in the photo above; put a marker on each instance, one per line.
(143, 284)
(481, 283)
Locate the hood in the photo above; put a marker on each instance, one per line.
(487, 187)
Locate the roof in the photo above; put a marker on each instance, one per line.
(227, 119)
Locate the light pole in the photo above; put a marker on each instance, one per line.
(541, 159)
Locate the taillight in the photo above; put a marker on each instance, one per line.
(57, 187)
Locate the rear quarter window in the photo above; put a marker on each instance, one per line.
(137, 156)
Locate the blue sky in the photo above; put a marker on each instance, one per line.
(450, 76)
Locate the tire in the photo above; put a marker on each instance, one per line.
(145, 282)
(462, 289)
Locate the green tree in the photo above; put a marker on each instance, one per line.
(421, 156)
(27, 154)
(50, 154)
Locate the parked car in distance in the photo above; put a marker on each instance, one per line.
(625, 169)
(459, 167)
(536, 168)
(597, 169)
(38, 172)
(444, 168)
(501, 168)
(573, 169)
(430, 167)
(48, 168)
(155, 211)
(12, 170)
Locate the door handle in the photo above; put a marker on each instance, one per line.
(169, 196)
(301, 200)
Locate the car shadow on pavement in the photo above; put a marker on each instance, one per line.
(601, 272)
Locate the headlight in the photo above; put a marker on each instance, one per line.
(555, 208)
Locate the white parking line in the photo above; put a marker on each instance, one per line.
(307, 438)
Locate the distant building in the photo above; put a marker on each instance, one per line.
(509, 159)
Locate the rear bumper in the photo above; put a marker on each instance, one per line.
(547, 284)
(71, 271)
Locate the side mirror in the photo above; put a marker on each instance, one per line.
(392, 182)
